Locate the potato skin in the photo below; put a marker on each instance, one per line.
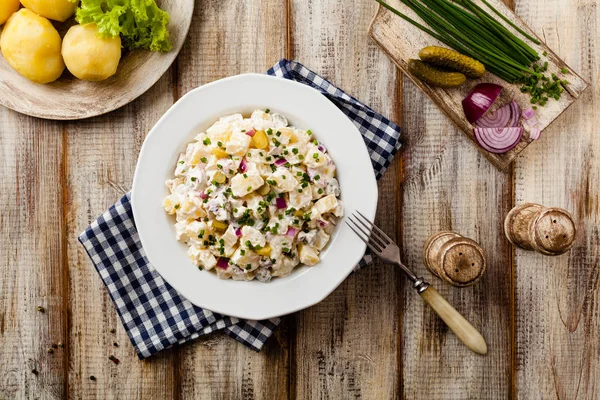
(8, 8)
(58, 10)
(88, 56)
(31, 45)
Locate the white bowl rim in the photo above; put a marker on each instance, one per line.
(356, 246)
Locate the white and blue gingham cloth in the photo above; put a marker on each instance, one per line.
(156, 316)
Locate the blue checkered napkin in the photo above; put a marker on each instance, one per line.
(154, 315)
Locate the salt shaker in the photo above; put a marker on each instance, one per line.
(547, 230)
(458, 260)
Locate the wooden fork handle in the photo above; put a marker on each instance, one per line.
(455, 321)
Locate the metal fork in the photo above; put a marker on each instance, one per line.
(389, 252)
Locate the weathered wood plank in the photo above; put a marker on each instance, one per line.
(227, 39)
(31, 258)
(451, 186)
(348, 345)
(100, 158)
(558, 324)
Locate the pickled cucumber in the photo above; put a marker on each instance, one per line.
(434, 76)
(453, 60)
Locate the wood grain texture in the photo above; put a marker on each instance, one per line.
(100, 157)
(31, 258)
(228, 39)
(557, 298)
(345, 346)
(402, 41)
(449, 185)
(69, 98)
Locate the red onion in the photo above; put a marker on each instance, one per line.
(222, 263)
(504, 117)
(280, 202)
(498, 140)
(250, 132)
(530, 112)
(535, 133)
(243, 165)
(322, 148)
(532, 122)
(203, 195)
(238, 232)
(291, 232)
(322, 223)
(480, 100)
(280, 161)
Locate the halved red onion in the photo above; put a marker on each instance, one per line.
(535, 133)
(222, 263)
(243, 165)
(527, 114)
(250, 132)
(280, 202)
(498, 140)
(480, 100)
(291, 232)
(503, 117)
(280, 161)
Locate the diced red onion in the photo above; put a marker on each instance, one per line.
(498, 140)
(250, 132)
(243, 165)
(532, 122)
(480, 100)
(280, 161)
(291, 232)
(203, 195)
(280, 202)
(322, 148)
(323, 224)
(535, 133)
(222, 263)
(238, 232)
(527, 114)
(503, 117)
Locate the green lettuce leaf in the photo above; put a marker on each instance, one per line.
(141, 23)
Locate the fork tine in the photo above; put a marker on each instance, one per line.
(376, 228)
(368, 231)
(371, 246)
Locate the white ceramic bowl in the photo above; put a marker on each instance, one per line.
(197, 110)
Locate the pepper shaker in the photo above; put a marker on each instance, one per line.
(458, 260)
(547, 230)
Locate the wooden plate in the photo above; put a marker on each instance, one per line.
(69, 98)
(402, 41)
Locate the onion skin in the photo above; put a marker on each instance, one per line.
(480, 100)
(498, 140)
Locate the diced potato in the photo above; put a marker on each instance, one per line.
(264, 251)
(307, 254)
(260, 140)
(220, 153)
(88, 56)
(8, 8)
(31, 45)
(58, 10)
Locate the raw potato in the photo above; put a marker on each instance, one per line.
(31, 45)
(58, 10)
(88, 56)
(8, 8)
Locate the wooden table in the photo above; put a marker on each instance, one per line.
(372, 338)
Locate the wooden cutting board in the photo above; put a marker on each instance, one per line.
(402, 41)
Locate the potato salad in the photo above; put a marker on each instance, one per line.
(254, 197)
